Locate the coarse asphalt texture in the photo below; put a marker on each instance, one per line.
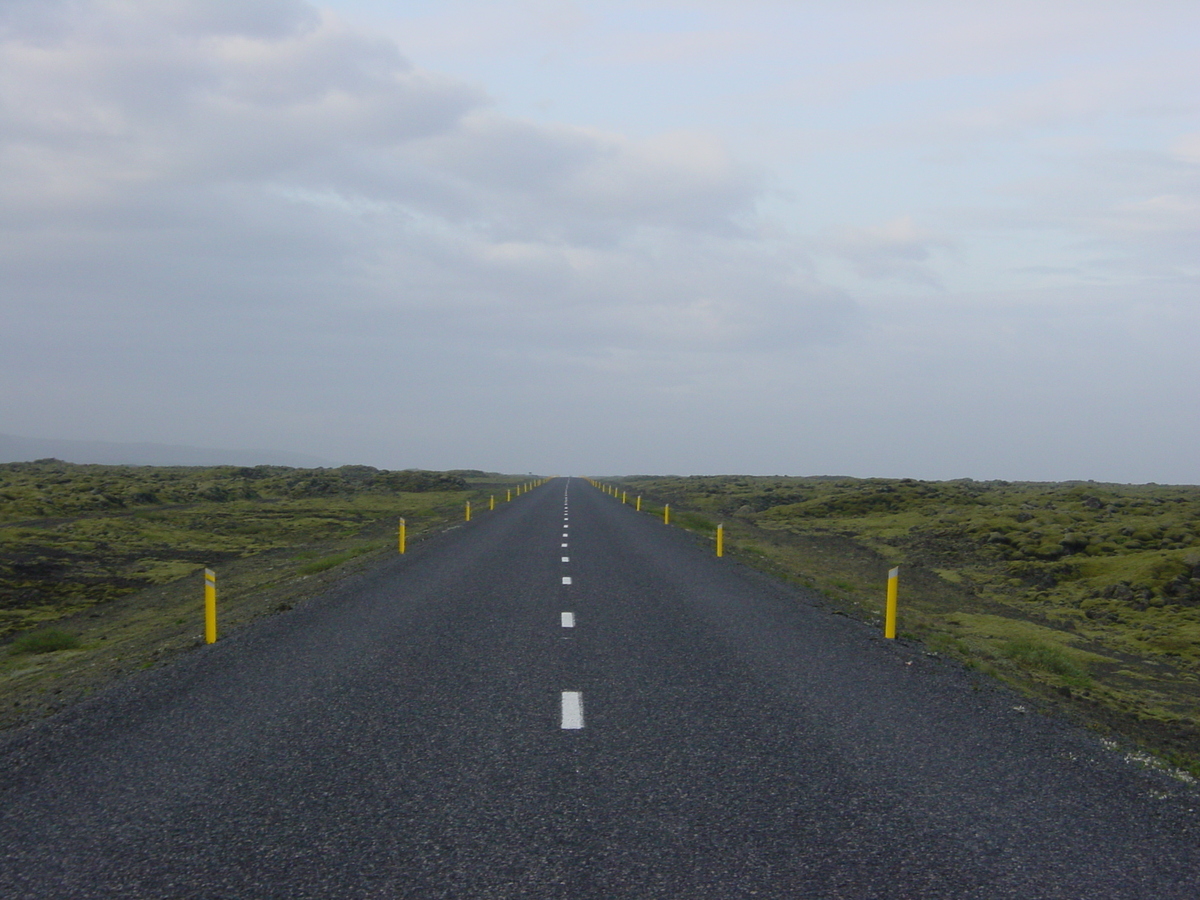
(407, 735)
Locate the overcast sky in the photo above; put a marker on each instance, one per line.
(919, 239)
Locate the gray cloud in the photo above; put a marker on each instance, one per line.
(896, 249)
(255, 208)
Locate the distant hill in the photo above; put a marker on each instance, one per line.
(23, 449)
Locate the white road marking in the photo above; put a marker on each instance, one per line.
(572, 709)
(568, 620)
(566, 579)
(564, 542)
(566, 559)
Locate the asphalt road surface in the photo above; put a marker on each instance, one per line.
(566, 699)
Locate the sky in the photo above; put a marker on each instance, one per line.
(897, 239)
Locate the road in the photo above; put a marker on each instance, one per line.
(441, 728)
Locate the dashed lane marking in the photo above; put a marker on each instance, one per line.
(566, 579)
(572, 709)
(568, 620)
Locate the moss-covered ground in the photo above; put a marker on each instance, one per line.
(1085, 596)
(101, 567)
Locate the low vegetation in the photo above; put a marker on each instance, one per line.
(48, 640)
(1084, 595)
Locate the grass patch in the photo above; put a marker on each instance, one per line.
(1048, 658)
(694, 522)
(48, 640)
(337, 559)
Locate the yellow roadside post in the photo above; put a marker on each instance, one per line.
(210, 606)
(639, 504)
(721, 540)
(403, 536)
(508, 496)
(622, 498)
(492, 503)
(468, 510)
(893, 589)
(667, 514)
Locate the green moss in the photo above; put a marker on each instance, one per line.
(157, 571)
(694, 522)
(48, 640)
(336, 559)
(1046, 657)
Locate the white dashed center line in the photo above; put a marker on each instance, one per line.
(566, 579)
(568, 620)
(566, 559)
(572, 709)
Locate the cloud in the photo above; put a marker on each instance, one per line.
(895, 250)
(1187, 148)
(525, 181)
(261, 203)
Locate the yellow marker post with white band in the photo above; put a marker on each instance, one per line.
(210, 606)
